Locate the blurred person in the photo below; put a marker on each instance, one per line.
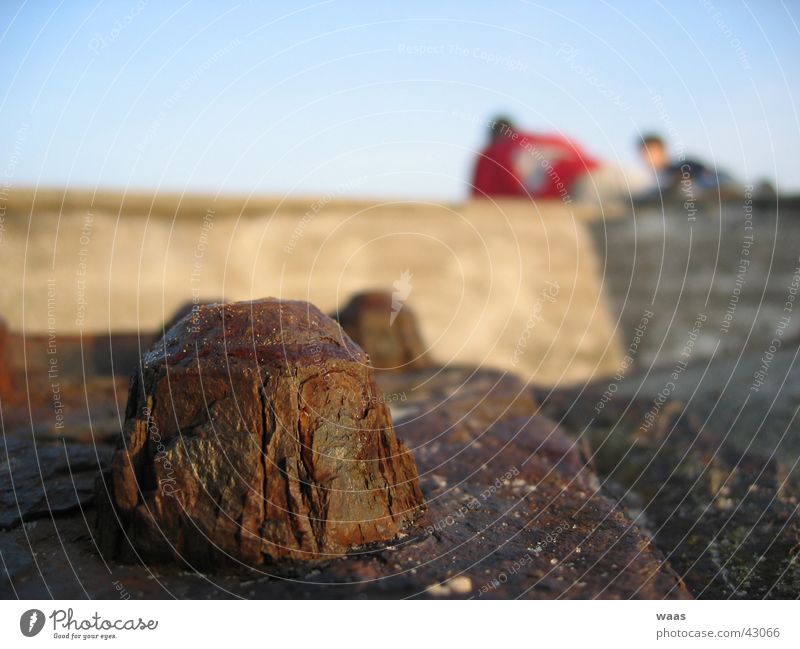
(685, 177)
(529, 165)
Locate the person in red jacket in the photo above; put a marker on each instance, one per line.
(532, 165)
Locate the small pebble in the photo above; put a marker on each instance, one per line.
(438, 590)
(456, 586)
(461, 585)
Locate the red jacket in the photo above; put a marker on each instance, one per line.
(530, 165)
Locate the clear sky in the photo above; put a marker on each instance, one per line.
(383, 98)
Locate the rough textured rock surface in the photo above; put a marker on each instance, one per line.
(53, 479)
(571, 504)
(715, 484)
(185, 309)
(386, 329)
(255, 432)
(512, 511)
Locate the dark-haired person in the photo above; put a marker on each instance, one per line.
(683, 178)
(528, 165)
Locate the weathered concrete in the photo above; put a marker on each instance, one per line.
(511, 285)
(712, 472)
(735, 266)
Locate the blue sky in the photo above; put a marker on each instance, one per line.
(379, 98)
